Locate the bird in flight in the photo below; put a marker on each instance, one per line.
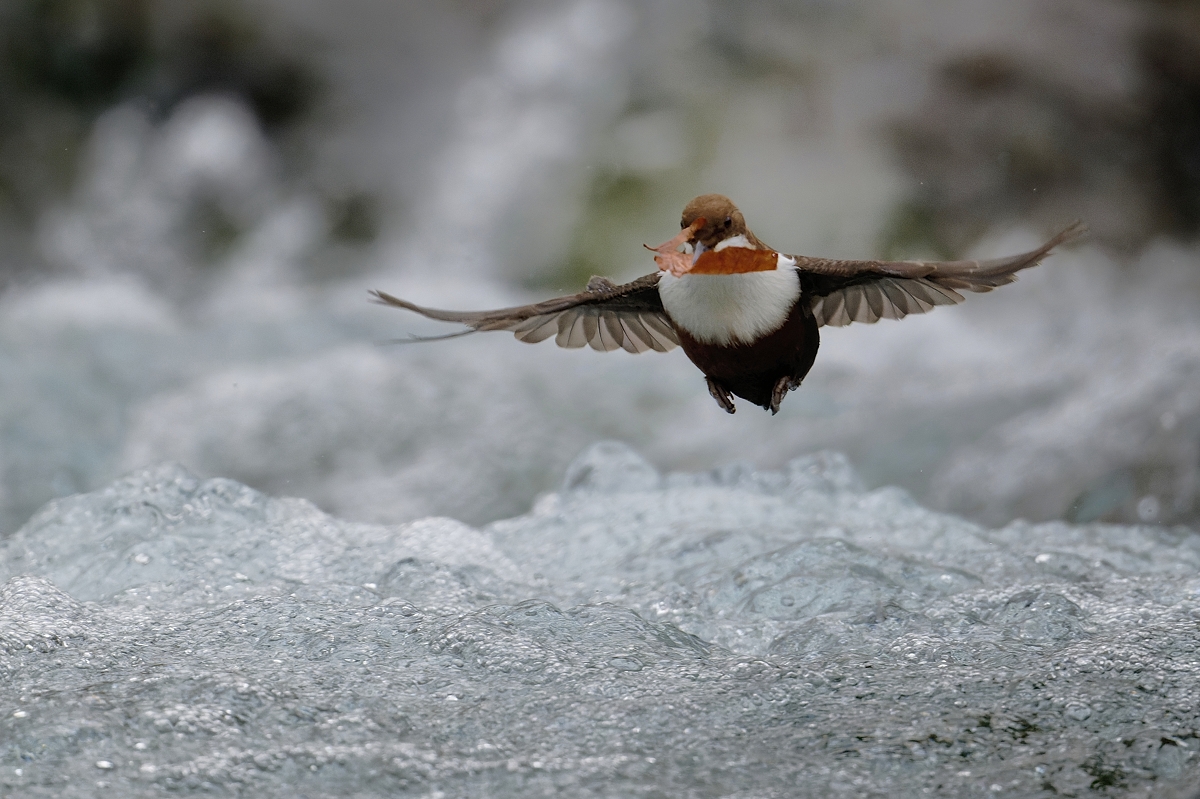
(746, 315)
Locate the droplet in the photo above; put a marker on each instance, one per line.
(104, 764)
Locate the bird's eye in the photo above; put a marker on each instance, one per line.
(728, 221)
(682, 223)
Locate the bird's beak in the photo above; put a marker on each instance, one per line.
(668, 257)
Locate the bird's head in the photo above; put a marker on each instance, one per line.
(713, 218)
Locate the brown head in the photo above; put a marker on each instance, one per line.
(722, 219)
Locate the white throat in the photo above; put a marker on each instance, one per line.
(731, 309)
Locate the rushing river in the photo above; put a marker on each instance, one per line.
(732, 633)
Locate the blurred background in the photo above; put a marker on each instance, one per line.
(196, 196)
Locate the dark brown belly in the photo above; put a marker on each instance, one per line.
(750, 371)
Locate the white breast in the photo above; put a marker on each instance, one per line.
(731, 309)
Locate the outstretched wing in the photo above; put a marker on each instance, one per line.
(605, 316)
(842, 292)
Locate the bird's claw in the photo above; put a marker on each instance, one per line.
(782, 386)
(723, 397)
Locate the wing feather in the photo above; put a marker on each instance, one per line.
(564, 321)
(545, 327)
(637, 337)
(920, 293)
(577, 333)
(663, 330)
(658, 341)
(900, 303)
(874, 299)
(605, 316)
(886, 298)
(602, 341)
(612, 333)
(591, 329)
(855, 307)
(842, 292)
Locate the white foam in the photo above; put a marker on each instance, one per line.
(712, 605)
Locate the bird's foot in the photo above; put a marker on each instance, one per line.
(782, 386)
(723, 397)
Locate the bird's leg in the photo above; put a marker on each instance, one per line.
(723, 397)
(782, 386)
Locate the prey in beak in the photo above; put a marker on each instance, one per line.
(668, 257)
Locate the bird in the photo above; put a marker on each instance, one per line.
(746, 315)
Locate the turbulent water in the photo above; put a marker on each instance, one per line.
(731, 633)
